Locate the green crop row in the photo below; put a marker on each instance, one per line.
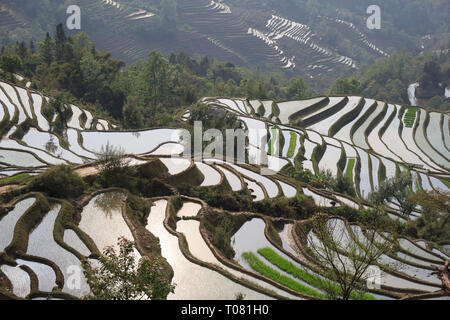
(446, 182)
(18, 176)
(303, 275)
(292, 144)
(410, 117)
(350, 166)
(259, 266)
(274, 139)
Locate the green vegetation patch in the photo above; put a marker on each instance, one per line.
(274, 139)
(259, 266)
(273, 234)
(303, 275)
(446, 182)
(350, 166)
(292, 145)
(410, 117)
(16, 177)
(60, 182)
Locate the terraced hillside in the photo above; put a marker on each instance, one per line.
(336, 132)
(9, 21)
(247, 35)
(351, 135)
(376, 138)
(270, 265)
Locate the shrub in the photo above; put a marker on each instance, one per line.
(232, 201)
(305, 205)
(154, 188)
(22, 129)
(48, 111)
(303, 175)
(11, 63)
(140, 208)
(111, 160)
(324, 179)
(222, 226)
(60, 182)
(187, 189)
(121, 276)
(343, 184)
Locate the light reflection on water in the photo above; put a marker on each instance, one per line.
(102, 220)
(109, 202)
(192, 281)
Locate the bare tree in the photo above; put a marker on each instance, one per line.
(346, 260)
(112, 159)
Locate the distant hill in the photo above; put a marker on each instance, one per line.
(302, 38)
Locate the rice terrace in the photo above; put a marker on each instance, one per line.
(243, 149)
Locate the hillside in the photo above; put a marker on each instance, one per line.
(350, 136)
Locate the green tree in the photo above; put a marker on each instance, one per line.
(121, 277)
(438, 103)
(47, 49)
(298, 89)
(345, 87)
(157, 74)
(60, 40)
(11, 63)
(90, 70)
(434, 222)
(343, 184)
(133, 115)
(323, 179)
(82, 43)
(111, 99)
(431, 75)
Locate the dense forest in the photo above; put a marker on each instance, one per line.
(389, 78)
